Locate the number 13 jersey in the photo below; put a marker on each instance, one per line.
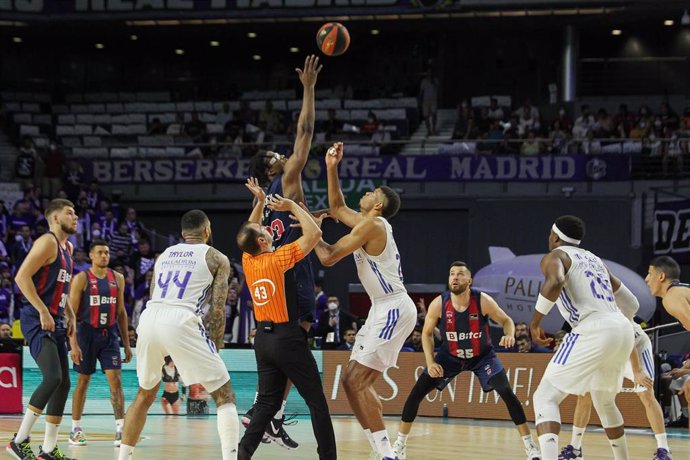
(587, 287)
(182, 277)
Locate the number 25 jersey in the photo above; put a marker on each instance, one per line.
(587, 287)
(182, 278)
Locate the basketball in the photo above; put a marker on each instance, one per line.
(333, 39)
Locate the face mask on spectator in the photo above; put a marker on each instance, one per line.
(96, 233)
(332, 306)
(657, 123)
(643, 124)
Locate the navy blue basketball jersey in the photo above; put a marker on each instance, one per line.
(679, 284)
(299, 293)
(52, 280)
(464, 335)
(99, 301)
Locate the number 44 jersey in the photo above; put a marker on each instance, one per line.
(182, 278)
(587, 287)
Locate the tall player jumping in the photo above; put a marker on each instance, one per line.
(46, 321)
(283, 177)
(592, 358)
(97, 295)
(186, 277)
(393, 314)
(462, 315)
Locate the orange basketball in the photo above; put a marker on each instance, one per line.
(333, 39)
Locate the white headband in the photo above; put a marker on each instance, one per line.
(563, 236)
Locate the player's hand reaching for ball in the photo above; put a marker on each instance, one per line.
(311, 71)
(278, 203)
(435, 371)
(334, 154)
(257, 190)
(507, 341)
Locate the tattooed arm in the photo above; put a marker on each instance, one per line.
(219, 265)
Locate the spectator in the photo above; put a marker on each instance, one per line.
(121, 242)
(605, 125)
(669, 119)
(675, 150)
(5, 331)
(525, 345)
(224, 116)
(415, 340)
(54, 169)
(271, 120)
(685, 121)
(81, 263)
(333, 324)
(25, 164)
(22, 245)
(232, 142)
(558, 138)
(532, 111)
(584, 123)
(465, 127)
(156, 128)
(495, 112)
(74, 178)
(349, 340)
(6, 301)
(371, 125)
(332, 126)
(177, 128)
(428, 101)
(527, 122)
(521, 328)
(532, 145)
(321, 299)
(5, 221)
(484, 122)
(624, 120)
(231, 313)
(132, 222)
(143, 261)
(21, 216)
(108, 225)
(564, 119)
(246, 114)
(132, 336)
(558, 339)
(196, 129)
(641, 129)
(4, 255)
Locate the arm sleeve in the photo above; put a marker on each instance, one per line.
(626, 301)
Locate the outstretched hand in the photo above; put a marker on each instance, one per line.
(311, 71)
(257, 190)
(334, 154)
(278, 203)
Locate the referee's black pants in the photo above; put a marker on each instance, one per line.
(280, 355)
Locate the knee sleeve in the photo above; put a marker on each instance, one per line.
(605, 404)
(49, 363)
(56, 404)
(500, 383)
(546, 400)
(422, 388)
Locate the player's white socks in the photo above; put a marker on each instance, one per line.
(125, 452)
(620, 448)
(548, 444)
(76, 424)
(383, 444)
(50, 439)
(402, 438)
(28, 421)
(119, 424)
(526, 440)
(281, 411)
(661, 441)
(228, 430)
(370, 438)
(576, 439)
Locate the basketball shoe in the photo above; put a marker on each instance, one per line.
(55, 454)
(76, 437)
(533, 453)
(277, 433)
(662, 454)
(400, 450)
(570, 453)
(20, 451)
(247, 418)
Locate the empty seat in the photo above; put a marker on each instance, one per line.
(29, 130)
(42, 119)
(92, 141)
(22, 118)
(64, 130)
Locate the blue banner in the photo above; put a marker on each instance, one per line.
(439, 168)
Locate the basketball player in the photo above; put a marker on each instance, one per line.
(97, 295)
(663, 279)
(462, 315)
(186, 276)
(393, 314)
(593, 356)
(283, 176)
(47, 319)
(280, 344)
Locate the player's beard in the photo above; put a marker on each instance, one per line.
(462, 288)
(67, 229)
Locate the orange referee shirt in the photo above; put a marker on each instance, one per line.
(265, 278)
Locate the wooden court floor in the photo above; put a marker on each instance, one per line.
(431, 438)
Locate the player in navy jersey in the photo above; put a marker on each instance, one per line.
(282, 176)
(462, 315)
(46, 321)
(97, 295)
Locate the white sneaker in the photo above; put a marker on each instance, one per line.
(533, 453)
(400, 450)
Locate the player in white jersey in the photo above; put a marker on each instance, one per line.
(593, 356)
(393, 314)
(186, 276)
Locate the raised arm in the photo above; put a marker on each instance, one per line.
(219, 265)
(292, 174)
(430, 322)
(311, 233)
(330, 254)
(493, 311)
(259, 200)
(336, 201)
(122, 318)
(43, 252)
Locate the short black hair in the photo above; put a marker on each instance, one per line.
(667, 265)
(193, 220)
(258, 167)
(247, 239)
(459, 263)
(523, 337)
(98, 242)
(392, 203)
(571, 226)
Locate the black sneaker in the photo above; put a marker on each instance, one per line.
(277, 433)
(21, 451)
(247, 418)
(55, 454)
(681, 422)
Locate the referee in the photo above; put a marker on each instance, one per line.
(280, 345)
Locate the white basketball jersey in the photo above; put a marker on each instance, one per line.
(381, 275)
(182, 277)
(587, 287)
